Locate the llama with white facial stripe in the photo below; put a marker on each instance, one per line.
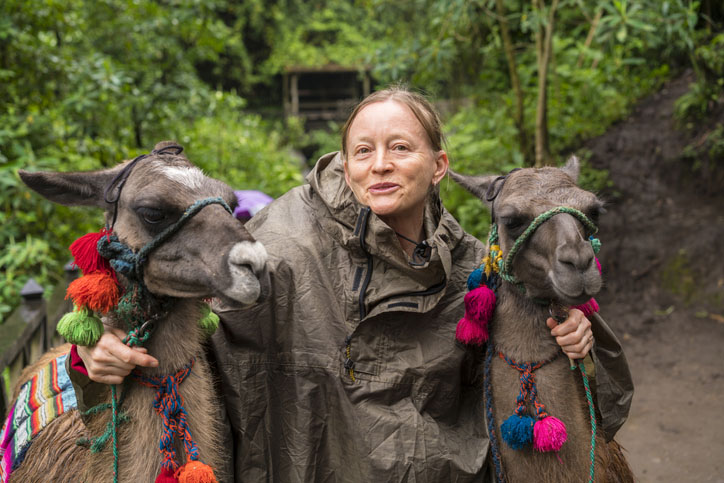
(170, 242)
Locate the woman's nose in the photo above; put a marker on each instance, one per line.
(381, 162)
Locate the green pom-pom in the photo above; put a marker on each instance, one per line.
(596, 244)
(209, 321)
(80, 327)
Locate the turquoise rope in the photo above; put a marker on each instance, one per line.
(592, 414)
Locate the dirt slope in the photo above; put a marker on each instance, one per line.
(663, 243)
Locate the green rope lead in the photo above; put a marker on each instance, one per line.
(115, 439)
(592, 413)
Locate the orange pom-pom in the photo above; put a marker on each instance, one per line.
(97, 291)
(195, 472)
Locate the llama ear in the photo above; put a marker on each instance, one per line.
(71, 189)
(572, 168)
(477, 185)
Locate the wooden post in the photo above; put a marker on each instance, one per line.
(294, 88)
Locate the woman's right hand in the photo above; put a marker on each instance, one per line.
(109, 361)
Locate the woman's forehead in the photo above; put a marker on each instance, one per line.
(386, 117)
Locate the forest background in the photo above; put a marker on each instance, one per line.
(85, 84)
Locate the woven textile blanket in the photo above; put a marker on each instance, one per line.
(42, 399)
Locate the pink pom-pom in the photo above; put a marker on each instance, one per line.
(589, 308)
(469, 332)
(479, 308)
(598, 266)
(480, 305)
(549, 434)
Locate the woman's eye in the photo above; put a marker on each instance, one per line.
(152, 216)
(400, 147)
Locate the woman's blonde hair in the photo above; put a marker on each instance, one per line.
(418, 104)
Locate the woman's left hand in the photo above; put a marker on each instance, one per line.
(574, 335)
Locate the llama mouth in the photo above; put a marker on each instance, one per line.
(572, 294)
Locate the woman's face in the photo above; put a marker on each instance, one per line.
(390, 163)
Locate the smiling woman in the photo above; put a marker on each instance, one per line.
(392, 166)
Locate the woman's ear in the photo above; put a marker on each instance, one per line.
(441, 165)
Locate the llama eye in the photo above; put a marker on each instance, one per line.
(595, 214)
(513, 223)
(152, 216)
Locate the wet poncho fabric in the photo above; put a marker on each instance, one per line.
(349, 371)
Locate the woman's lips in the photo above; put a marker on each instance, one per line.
(383, 188)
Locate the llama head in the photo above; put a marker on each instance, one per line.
(211, 255)
(557, 261)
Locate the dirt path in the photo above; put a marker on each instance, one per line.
(663, 242)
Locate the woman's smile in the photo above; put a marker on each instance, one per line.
(383, 188)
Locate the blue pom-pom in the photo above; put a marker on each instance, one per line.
(476, 279)
(517, 431)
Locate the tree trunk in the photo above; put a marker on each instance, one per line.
(519, 115)
(544, 48)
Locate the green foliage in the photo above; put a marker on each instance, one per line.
(707, 92)
(84, 85)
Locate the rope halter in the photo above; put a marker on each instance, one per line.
(505, 264)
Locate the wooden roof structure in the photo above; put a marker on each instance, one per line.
(323, 94)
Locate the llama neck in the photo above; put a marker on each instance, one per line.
(519, 329)
(176, 338)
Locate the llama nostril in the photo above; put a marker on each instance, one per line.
(249, 254)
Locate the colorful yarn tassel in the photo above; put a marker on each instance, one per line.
(479, 308)
(209, 321)
(517, 431)
(97, 291)
(549, 434)
(196, 472)
(475, 279)
(166, 476)
(588, 308)
(86, 256)
(80, 327)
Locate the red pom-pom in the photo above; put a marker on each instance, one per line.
(479, 308)
(195, 472)
(98, 292)
(86, 256)
(166, 476)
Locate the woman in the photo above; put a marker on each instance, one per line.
(350, 370)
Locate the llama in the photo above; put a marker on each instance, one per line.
(210, 255)
(547, 266)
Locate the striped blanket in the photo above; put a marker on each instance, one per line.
(45, 397)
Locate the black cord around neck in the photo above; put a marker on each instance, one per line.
(421, 253)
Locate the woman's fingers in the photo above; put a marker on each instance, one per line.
(574, 335)
(110, 360)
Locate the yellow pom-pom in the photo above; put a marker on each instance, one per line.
(80, 327)
(195, 472)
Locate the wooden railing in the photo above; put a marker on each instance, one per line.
(30, 331)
